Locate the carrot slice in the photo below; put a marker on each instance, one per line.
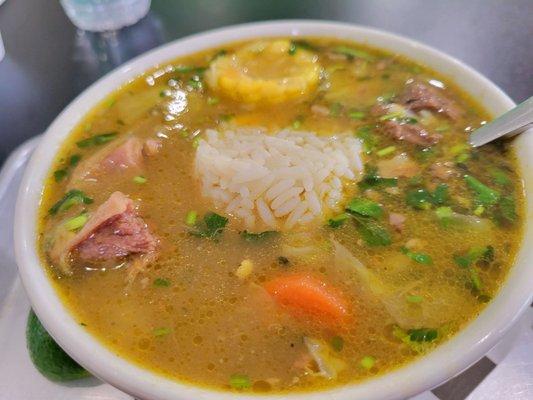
(309, 296)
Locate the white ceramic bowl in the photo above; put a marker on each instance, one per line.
(446, 361)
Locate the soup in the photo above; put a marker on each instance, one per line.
(280, 215)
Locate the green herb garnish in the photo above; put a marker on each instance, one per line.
(158, 332)
(386, 151)
(484, 194)
(300, 44)
(71, 198)
(97, 140)
(423, 199)
(371, 179)
(350, 52)
(338, 220)
(372, 232)
(337, 343)
(161, 282)
(367, 362)
(195, 83)
(420, 258)
(474, 255)
(60, 174)
(256, 237)
(368, 138)
(139, 179)
(365, 207)
(74, 160)
(240, 381)
(415, 299)
(422, 335)
(506, 212)
(211, 226)
(420, 199)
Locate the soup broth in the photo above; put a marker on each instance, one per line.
(411, 234)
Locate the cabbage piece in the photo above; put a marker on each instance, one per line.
(432, 312)
(329, 366)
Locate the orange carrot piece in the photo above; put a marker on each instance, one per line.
(309, 296)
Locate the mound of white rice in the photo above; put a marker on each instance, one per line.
(276, 180)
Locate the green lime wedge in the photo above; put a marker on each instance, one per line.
(49, 359)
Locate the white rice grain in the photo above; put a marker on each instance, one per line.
(276, 180)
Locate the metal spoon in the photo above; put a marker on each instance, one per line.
(513, 122)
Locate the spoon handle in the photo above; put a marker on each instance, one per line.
(509, 124)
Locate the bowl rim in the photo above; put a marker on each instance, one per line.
(446, 361)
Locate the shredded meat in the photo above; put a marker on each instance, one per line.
(397, 221)
(419, 96)
(412, 133)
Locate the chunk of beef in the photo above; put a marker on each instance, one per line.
(114, 230)
(419, 96)
(400, 130)
(127, 155)
(119, 236)
(412, 133)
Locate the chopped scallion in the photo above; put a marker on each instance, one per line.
(484, 194)
(163, 331)
(367, 362)
(97, 139)
(139, 179)
(351, 53)
(191, 217)
(240, 381)
(161, 282)
(74, 159)
(77, 222)
(60, 174)
(386, 151)
(72, 197)
(475, 279)
(420, 258)
(356, 114)
(414, 299)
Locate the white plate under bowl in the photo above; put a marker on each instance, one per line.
(446, 361)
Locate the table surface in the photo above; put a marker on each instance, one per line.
(48, 62)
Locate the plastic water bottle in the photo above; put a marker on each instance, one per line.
(105, 15)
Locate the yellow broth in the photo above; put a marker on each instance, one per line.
(189, 317)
